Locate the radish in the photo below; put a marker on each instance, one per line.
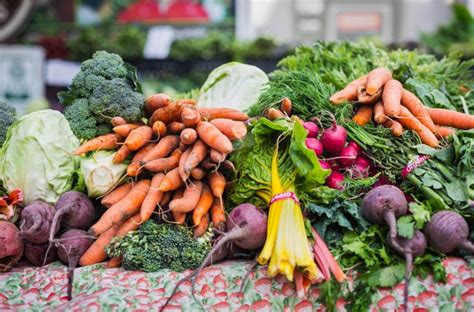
(382, 205)
(324, 164)
(35, 223)
(312, 129)
(39, 255)
(347, 156)
(315, 145)
(334, 138)
(11, 246)
(333, 163)
(71, 245)
(335, 180)
(447, 231)
(357, 147)
(362, 167)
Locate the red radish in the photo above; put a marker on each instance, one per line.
(362, 167)
(333, 163)
(35, 223)
(312, 129)
(324, 164)
(11, 246)
(334, 138)
(347, 156)
(315, 145)
(357, 147)
(335, 180)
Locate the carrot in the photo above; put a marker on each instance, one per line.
(216, 156)
(198, 153)
(152, 198)
(444, 117)
(217, 183)
(124, 130)
(171, 181)
(410, 122)
(96, 252)
(190, 198)
(122, 210)
(164, 164)
(227, 164)
(208, 164)
(363, 115)
(115, 262)
(273, 114)
(186, 102)
(116, 195)
(203, 205)
(202, 227)
(166, 198)
(135, 168)
(188, 136)
(175, 127)
(198, 173)
(443, 132)
(218, 214)
(131, 224)
(379, 113)
(121, 155)
(159, 129)
(210, 135)
(286, 106)
(182, 160)
(414, 105)
(366, 99)
(376, 79)
(155, 101)
(179, 217)
(349, 93)
(228, 113)
(138, 138)
(169, 113)
(190, 116)
(392, 96)
(234, 130)
(118, 121)
(103, 142)
(164, 147)
(395, 127)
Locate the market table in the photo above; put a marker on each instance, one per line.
(97, 288)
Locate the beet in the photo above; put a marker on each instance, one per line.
(447, 231)
(348, 156)
(35, 223)
(315, 145)
(335, 180)
(311, 128)
(334, 138)
(382, 205)
(11, 246)
(39, 255)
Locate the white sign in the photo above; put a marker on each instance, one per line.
(158, 42)
(21, 75)
(60, 73)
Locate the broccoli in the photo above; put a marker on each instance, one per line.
(7, 118)
(105, 87)
(159, 246)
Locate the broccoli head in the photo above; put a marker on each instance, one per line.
(82, 121)
(7, 118)
(159, 246)
(107, 65)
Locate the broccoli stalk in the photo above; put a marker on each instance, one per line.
(7, 118)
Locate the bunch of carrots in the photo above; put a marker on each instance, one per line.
(176, 160)
(384, 100)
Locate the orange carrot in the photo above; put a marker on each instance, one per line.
(417, 109)
(188, 136)
(190, 198)
(392, 96)
(118, 121)
(286, 106)
(186, 102)
(116, 195)
(124, 130)
(274, 114)
(179, 217)
(363, 115)
(175, 127)
(409, 121)
(349, 93)
(444, 132)
(218, 214)
(138, 138)
(121, 155)
(395, 127)
(217, 183)
(228, 113)
(364, 98)
(169, 113)
(201, 228)
(103, 142)
(152, 198)
(131, 224)
(190, 116)
(216, 156)
(135, 168)
(444, 117)
(166, 198)
(379, 113)
(164, 147)
(198, 173)
(172, 181)
(203, 205)
(164, 164)
(198, 153)
(155, 101)
(182, 160)
(114, 262)
(159, 129)
(122, 210)
(96, 252)
(213, 137)
(376, 79)
(234, 130)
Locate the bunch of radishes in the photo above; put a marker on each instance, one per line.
(336, 154)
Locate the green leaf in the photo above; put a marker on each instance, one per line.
(406, 226)
(387, 277)
(420, 214)
(455, 191)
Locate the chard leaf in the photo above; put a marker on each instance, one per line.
(387, 277)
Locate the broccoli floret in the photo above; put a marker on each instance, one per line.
(159, 246)
(84, 84)
(7, 118)
(107, 65)
(81, 120)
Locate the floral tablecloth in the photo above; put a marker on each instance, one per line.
(217, 288)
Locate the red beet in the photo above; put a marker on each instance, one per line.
(335, 180)
(11, 246)
(39, 255)
(348, 156)
(315, 145)
(35, 223)
(334, 138)
(312, 129)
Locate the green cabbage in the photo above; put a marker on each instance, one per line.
(100, 173)
(37, 156)
(233, 85)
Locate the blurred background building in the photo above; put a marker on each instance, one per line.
(175, 43)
